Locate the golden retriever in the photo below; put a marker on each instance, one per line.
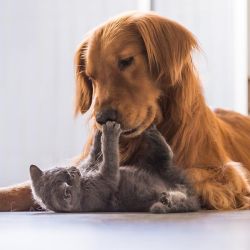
(137, 69)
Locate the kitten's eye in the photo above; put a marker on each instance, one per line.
(67, 193)
(125, 63)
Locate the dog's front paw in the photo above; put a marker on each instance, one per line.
(112, 128)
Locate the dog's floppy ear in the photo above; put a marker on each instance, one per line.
(168, 46)
(84, 89)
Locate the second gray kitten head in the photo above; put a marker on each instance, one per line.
(56, 189)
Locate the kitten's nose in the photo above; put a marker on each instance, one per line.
(107, 114)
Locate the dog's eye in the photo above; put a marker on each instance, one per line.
(124, 63)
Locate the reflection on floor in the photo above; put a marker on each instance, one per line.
(113, 231)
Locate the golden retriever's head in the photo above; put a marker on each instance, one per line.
(124, 66)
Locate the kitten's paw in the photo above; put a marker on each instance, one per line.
(158, 208)
(177, 196)
(172, 198)
(98, 134)
(74, 173)
(165, 199)
(112, 128)
(152, 130)
(153, 127)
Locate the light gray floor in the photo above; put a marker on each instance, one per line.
(111, 231)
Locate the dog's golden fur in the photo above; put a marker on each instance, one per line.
(163, 80)
(161, 86)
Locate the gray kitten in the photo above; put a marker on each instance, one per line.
(99, 184)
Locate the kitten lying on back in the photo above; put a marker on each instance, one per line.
(152, 184)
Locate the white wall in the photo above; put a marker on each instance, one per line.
(37, 44)
(221, 29)
(248, 36)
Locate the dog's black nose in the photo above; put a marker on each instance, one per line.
(108, 114)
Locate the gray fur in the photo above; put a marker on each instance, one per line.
(99, 184)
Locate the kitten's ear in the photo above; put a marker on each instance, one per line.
(35, 173)
(67, 192)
